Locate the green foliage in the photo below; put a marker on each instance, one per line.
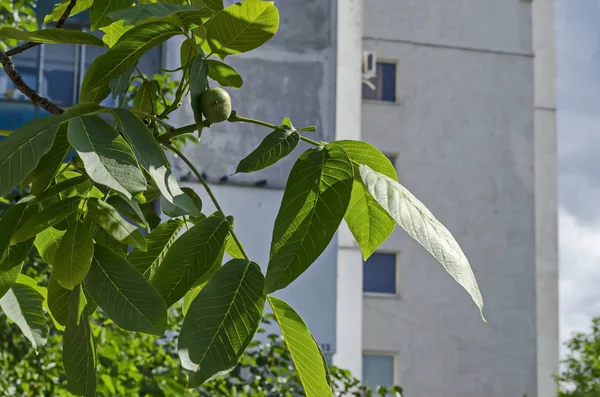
(18, 14)
(580, 371)
(51, 36)
(113, 293)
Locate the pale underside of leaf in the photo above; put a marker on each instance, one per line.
(421, 225)
(23, 305)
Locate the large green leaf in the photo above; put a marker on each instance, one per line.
(112, 34)
(242, 27)
(69, 187)
(273, 148)
(190, 258)
(73, 256)
(153, 159)
(124, 294)
(101, 9)
(60, 8)
(47, 243)
(133, 15)
(213, 5)
(52, 36)
(125, 53)
(159, 242)
(314, 202)
(173, 211)
(130, 209)
(224, 74)
(232, 249)
(79, 348)
(370, 224)
(23, 305)
(107, 158)
(12, 256)
(58, 301)
(198, 84)
(421, 225)
(50, 163)
(120, 84)
(49, 216)
(146, 97)
(8, 278)
(109, 219)
(21, 151)
(221, 321)
(304, 350)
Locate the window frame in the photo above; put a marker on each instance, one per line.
(386, 353)
(387, 295)
(395, 102)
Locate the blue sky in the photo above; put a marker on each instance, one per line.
(578, 46)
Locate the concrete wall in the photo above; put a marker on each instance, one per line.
(546, 196)
(293, 75)
(463, 129)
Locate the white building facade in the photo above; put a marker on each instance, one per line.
(464, 106)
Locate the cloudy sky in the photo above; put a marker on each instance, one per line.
(578, 36)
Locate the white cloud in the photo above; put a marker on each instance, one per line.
(580, 273)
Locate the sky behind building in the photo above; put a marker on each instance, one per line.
(578, 46)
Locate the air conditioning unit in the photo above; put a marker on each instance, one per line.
(369, 65)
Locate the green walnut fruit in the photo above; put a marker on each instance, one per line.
(215, 104)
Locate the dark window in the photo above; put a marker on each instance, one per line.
(378, 370)
(384, 82)
(379, 273)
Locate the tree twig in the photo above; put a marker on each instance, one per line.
(17, 79)
(59, 24)
(210, 193)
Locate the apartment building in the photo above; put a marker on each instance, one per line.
(464, 106)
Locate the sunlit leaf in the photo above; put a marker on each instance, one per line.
(79, 348)
(124, 294)
(50, 216)
(101, 10)
(52, 36)
(224, 74)
(58, 301)
(313, 205)
(22, 150)
(273, 148)
(221, 321)
(60, 8)
(242, 27)
(370, 224)
(73, 256)
(191, 258)
(159, 241)
(133, 15)
(125, 53)
(109, 219)
(107, 158)
(153, 159)
(304, 350)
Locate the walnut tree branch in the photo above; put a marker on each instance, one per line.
(15, 77)
(59, 24)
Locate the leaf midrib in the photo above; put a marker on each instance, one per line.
(124, 296)
(232, 303)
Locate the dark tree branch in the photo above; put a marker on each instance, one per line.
(59, 24)
(15, 77)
